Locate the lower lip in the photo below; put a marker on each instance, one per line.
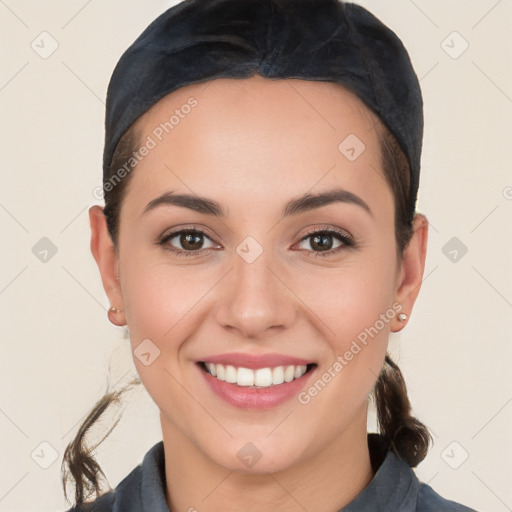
(255, 398)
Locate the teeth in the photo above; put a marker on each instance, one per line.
(262, 377)
(231, 374)
(212, 369)
(278, 375)
(220, 371)
(289, 373)
(245, 377)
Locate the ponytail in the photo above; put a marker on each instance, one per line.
(82, 466)
(406, 436)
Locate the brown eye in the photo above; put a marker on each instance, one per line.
(326, 242)
(186, 242)
(191, 241)
(322, 242)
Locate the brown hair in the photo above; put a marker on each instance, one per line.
(405, 435)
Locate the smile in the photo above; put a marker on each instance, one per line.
(255, 378)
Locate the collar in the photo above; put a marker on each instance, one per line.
(394, 487)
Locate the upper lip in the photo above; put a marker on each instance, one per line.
(254, 362)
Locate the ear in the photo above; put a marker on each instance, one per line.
(411, 270)
(106, 257)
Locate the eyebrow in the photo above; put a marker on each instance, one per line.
(301, 204)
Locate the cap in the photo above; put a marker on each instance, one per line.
(325, 40)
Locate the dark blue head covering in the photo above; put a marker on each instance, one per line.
(324, 40)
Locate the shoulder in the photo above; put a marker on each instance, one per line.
(125, 497)
(103, 503)
(396, 486)
(430, 501)
(142, 489)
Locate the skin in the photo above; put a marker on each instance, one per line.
(252, 145)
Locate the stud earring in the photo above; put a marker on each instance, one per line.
(115, 310)
(402, 317)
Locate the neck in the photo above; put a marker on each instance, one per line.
(325, 483)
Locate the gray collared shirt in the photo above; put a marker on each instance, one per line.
(394, 488)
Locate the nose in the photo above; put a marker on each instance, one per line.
(255, 297)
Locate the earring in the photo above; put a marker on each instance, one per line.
(115, 310)
(402, 317)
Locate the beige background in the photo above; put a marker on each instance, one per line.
(56, 340)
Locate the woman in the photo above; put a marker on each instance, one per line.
(260, 241)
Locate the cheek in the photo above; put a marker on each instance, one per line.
(161, 304)
(356, 308)
(350, 300)
(360, 307)
(160, 299)
(357, 322)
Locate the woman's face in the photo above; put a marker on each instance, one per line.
(252, 285)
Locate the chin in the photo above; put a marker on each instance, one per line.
(256, 454)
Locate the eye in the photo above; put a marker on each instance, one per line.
(190, 242)
(322, 241)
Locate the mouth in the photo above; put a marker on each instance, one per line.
(256, 378)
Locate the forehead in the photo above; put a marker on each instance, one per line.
(260, 136)
(274, 103)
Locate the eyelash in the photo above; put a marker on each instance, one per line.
(341, 235)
